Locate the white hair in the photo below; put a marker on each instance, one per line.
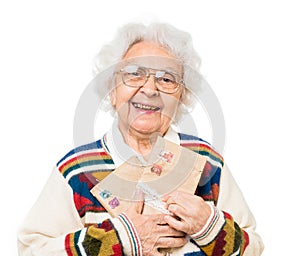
(177, 42)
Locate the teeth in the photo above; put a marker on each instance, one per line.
(145, 107)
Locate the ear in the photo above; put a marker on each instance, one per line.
(113, 97)
(182, 95)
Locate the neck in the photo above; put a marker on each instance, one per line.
(139, 142)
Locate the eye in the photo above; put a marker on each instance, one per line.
(134, 75)
(165, 78)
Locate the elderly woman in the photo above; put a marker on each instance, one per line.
(148, 91)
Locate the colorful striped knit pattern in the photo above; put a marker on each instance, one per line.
(89, 241)
(85, 166)
(208, 187)
(201, 147)
(231, 240)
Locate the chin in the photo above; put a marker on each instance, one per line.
(147, 128)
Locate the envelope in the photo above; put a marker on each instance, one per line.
(169, 167)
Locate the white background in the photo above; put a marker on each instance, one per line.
(250, 57)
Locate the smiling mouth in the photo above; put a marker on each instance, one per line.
(145, 107)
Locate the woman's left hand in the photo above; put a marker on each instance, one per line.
(191, 212)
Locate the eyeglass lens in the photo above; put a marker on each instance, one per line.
(136, 76)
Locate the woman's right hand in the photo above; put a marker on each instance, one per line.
(153, 231)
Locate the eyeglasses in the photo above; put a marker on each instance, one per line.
(136, 76)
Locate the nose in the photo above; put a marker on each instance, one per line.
(149, 88)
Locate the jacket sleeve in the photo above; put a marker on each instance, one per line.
(231, 230)
(53, 227)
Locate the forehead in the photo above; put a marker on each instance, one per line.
(151, 55)
(145, 48)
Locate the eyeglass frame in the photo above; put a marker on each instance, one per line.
(148, 74)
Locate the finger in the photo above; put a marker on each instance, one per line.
(166, 230)
(178, 210)
(174, 198)
(135, 208)
(174, 223)
(168, 196)
(158, 219)
(183, 199)
(139, 206)
(171, 242)
(138, 201)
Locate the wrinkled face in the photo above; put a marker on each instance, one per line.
(146, 110)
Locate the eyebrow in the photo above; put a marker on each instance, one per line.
(168, 68)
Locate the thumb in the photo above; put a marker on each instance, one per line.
(138, 201)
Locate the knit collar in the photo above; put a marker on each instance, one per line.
(121, 152)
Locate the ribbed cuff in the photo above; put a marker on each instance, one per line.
(135, 243)
(211, 228)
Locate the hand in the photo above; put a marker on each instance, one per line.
(191, 212)
(153, 230)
